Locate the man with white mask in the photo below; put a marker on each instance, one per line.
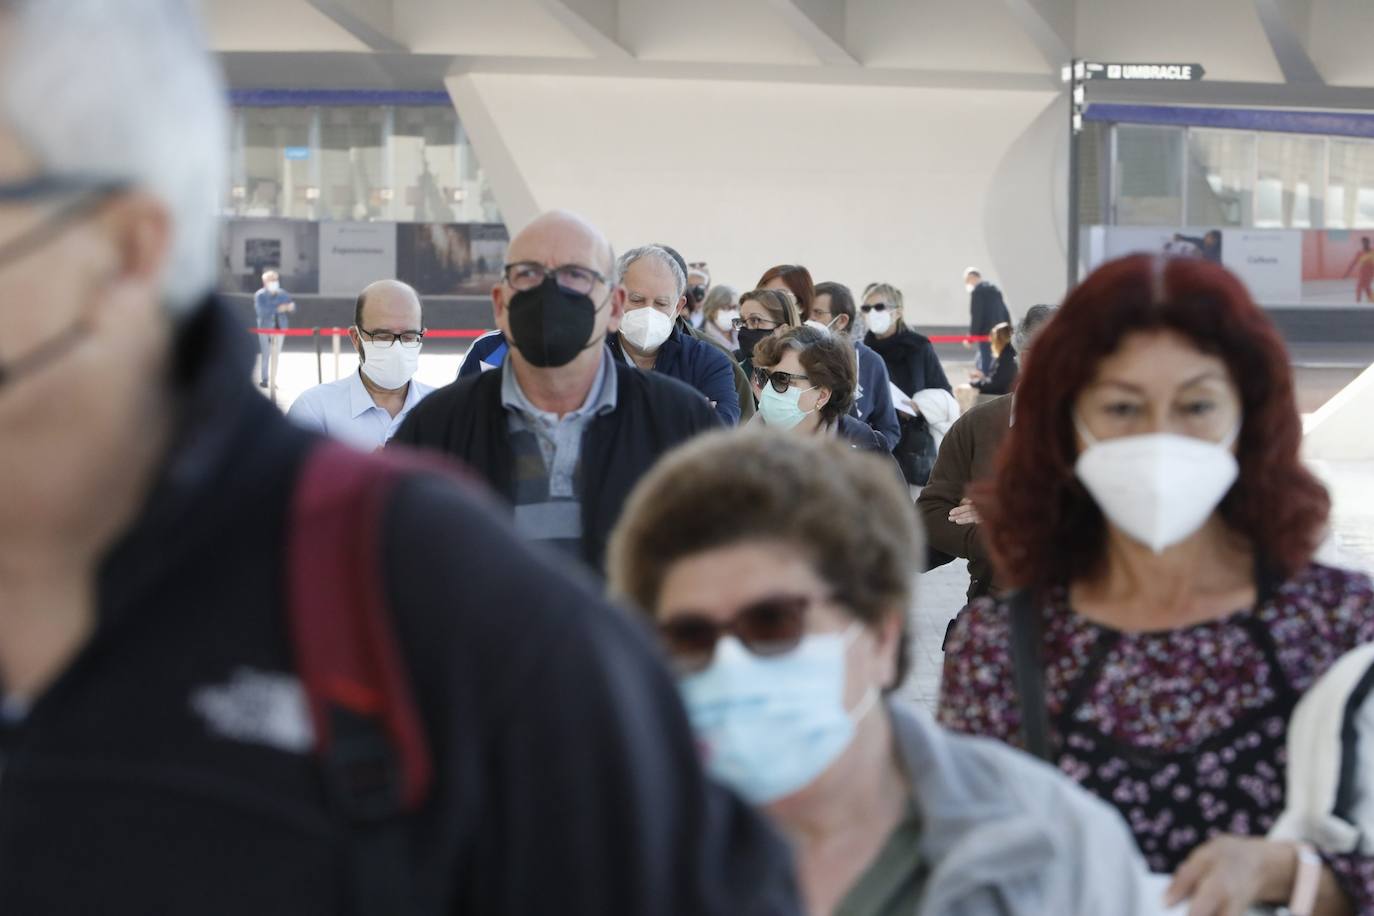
(649, 338)
(366, 408)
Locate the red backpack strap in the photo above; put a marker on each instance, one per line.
(368, 733)
(346, 650)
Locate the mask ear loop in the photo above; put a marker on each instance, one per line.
(1082, 428)
(870, 698)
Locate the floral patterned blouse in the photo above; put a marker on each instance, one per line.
(1182, 730)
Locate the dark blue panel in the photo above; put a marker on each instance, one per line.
(1329, 123)
(276, 98)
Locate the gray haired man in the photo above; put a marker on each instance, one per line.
(155, 745)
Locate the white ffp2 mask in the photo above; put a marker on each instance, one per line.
(879, 322)
(1160, 488)
(646, 328)
(390, 367)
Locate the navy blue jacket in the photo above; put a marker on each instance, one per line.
(986, 308)
(698, 364)
(682, 357)
(874, 402)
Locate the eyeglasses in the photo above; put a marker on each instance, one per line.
(87, 193)
(754, 323)
(780, 381)
(40, 187)
(875, 307)
(527, 275)
(770, 626)
(384, 339)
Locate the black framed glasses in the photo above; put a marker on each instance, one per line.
(527, 275)
(754, 323)
(773, 625)
(384, 339)
(86, 193)
(780, 380)
(875, 307)
(46, 186)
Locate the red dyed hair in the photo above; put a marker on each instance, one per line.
(1042, 527)
(798, 280)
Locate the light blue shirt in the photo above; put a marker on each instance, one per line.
(346, 411)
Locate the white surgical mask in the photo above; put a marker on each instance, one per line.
(725, 319)
(1160, 488)
(970, 287)
(880, 322)
(646, 328)
(389, 367)
(767, 727)
(272, 286)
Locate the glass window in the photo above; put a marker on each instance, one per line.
(1350, 192)
(1290, 182)
(276, 164)
(1221, 175)
(1149, 182)
(378, 162)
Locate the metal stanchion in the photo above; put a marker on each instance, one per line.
(319, 357)
(337, 347)
(274, 347)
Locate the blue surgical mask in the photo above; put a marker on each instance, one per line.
(769, 726)
(783, 411)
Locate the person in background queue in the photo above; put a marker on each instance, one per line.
(366, 408)
(834, 309)
(561, 402)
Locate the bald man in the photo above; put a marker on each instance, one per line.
(366, 408)
(562, 429)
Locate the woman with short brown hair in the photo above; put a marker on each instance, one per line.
(806, 379)
(777, 571)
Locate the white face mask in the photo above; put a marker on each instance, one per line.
(646, 328)
(970, 287)
(725, 319)
(272, 286)
(390, 367)
(880, 322)
(1159, 489)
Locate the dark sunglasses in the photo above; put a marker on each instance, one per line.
(875, 307)
(780, 381)
(770, 626)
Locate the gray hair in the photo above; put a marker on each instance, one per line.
(658, 254)
(1036, 317)
(126, 91)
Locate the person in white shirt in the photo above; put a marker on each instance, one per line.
(366, 408)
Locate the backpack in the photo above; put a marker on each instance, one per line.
(916, 450)
(369, 738)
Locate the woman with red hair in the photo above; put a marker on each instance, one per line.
(1151, 507)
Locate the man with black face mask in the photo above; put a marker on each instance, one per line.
(563, 430)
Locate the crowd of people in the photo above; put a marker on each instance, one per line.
(614, 623)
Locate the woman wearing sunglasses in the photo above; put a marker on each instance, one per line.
(778, 574)
(911, 360)
(805, 378)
